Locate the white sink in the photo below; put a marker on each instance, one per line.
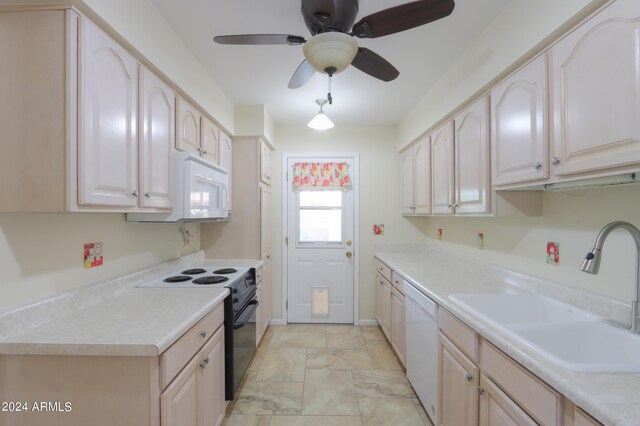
(507, 308)
(590, 346)
(568, 336)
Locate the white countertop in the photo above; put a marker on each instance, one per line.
(612, 398)
(113, 317)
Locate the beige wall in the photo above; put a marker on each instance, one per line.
(519, 28)
(41, 254)
(379, 196)
(571, 220)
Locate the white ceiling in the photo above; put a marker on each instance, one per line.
(260, 74)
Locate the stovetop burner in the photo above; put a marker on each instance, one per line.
(210, 280)
(225, 271)
(195, 271)
(177, 279)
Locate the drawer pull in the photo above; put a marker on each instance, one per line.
(480, 390)
(469, 377)
(206, 360)
(203, 334)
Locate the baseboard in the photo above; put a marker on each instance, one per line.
(276, 322)
(367, 322)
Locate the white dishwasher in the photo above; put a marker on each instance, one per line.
(421, 321)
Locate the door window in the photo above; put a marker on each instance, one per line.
(321, 217)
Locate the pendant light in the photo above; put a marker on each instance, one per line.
(320, 121)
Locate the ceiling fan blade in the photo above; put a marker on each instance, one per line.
(401, 18)
(375, 65)
(304, 72)
(259, 39)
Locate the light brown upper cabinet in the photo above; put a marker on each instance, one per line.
(188, 122)
(107, 144)
(442, 163)
(157, 121)
(209, 143)
(596, 93)
(265, 163)
(416, 178)
(224, 160)
(472, 172)
(519, 141)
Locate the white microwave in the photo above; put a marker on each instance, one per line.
(201, 192)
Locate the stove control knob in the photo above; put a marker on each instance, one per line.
(235, 290)
(235, 300)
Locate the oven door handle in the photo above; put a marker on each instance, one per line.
(240, 324)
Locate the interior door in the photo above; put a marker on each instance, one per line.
(320, 251)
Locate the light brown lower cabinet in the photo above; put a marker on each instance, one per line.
(458, 386)
(196, 395)
(479, 385)
(497, 409)
(183, 386)
(397, 324)
(390, 308)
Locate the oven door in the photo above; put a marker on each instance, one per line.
(244, 340)
(207, 192)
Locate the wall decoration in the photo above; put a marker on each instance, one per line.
(92, 255)
(439, 234)
(553, 253)
(378, 229)
(480, 240)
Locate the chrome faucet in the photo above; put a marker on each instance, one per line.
(591, 263)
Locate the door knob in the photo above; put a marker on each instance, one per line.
(349, 254)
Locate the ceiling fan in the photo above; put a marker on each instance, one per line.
(332, 47)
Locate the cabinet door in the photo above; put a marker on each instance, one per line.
(472, 171)
(158, 136)
(210, 383)
(379, 293)
(268, 297)
(397, 324)
(458, 387)
(187, 127)
(385, 309)
(442, 169)
(406, 165)
(265, 163)
(580, 418)
(108, 146)
(596, 92)
(209, 148)
(259, 313)
(224, 159)
(179, 402)
(265, 221)
(422, 177)
(497, 409)
(519, 142)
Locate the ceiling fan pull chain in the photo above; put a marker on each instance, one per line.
(329, 98)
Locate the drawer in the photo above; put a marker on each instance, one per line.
(259, 275)
(397, 281)
(460, 334)
(539, 400)
(176, 357)
(383, 269)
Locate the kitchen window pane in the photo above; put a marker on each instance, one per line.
(320, 226)
(321, 199)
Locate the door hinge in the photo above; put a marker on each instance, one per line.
(286, 241)
(287, 176)
(286, 305)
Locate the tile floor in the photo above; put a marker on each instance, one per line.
(317, 375)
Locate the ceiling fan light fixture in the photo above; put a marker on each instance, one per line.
(321, 121)
(330, 50)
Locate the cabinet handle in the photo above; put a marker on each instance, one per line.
(480, 390)
(204, 152)
(469, 377)
(135, 193)
(538, 166)
(203, 334)
(147, 194)
(203, 365)
(456, 206)
(555, 161)
(449, 206)
(206, 360)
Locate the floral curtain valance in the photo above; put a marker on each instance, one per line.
(321, 176)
